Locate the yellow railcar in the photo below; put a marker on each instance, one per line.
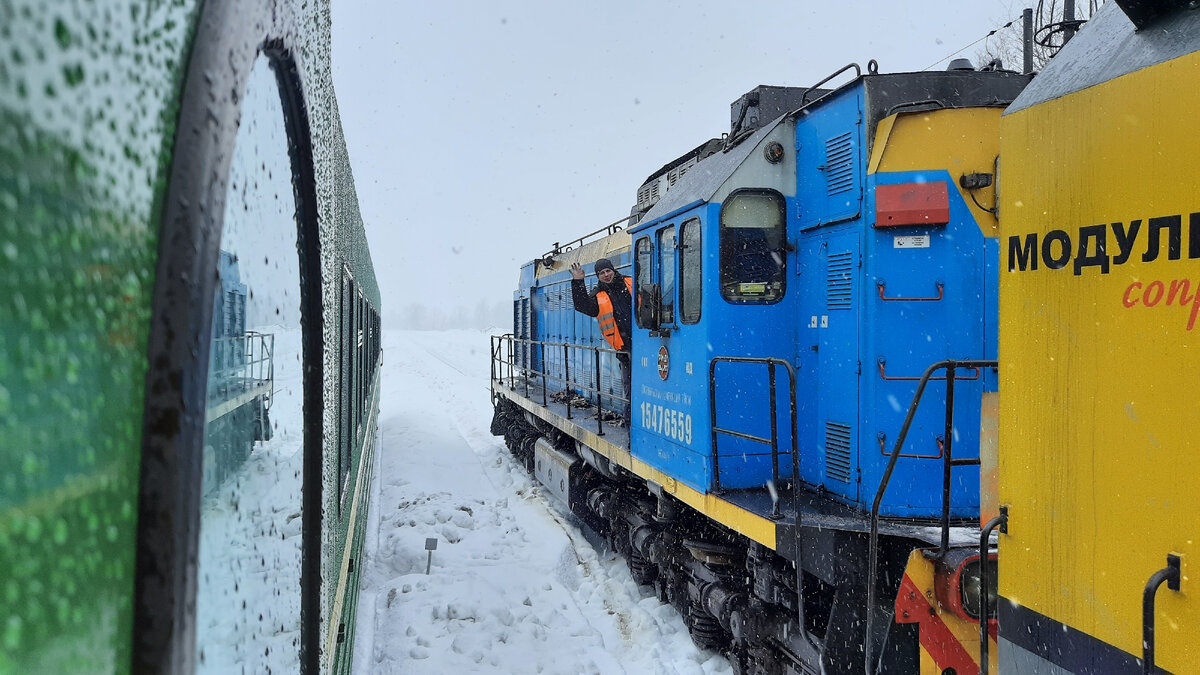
(1099, 293)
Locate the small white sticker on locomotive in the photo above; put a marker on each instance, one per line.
(911, 241)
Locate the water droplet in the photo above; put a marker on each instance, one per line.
(12, 633)
(73, 74)
(62, 34)
(33, 530)
(60, 531)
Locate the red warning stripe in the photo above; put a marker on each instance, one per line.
(936, 637)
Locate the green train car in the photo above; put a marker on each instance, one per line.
(189, 341)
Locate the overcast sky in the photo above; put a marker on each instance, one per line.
(482, 133)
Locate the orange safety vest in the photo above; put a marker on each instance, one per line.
(608, 325)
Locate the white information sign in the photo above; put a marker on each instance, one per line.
(911, 241)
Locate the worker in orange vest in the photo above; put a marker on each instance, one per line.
(611, 302)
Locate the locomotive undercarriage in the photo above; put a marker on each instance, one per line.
(735, 595)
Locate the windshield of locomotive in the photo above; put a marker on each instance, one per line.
(752, 247)
(248, 596)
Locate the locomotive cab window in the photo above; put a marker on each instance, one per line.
(753, 247)
(645, 290)
(689, 271)
(666, 271)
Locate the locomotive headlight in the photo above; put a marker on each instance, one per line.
(773, 152)
(971, 588)
(959, 584)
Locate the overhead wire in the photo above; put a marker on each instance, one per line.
(968, 46)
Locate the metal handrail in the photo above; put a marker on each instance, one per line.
(267, 345)
(985, 610)
(882, 286)
(774, 441)
(950, 365)
(839, 71)
(243, 362)
(912, 378)
(494, 347)
(1169, 575)
(610, 229)
(544, 374)
(770, 362)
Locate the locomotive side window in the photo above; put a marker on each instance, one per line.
(689, 271)
(360, 350)
(345, 438)
(753, 262)
(248, 597)
(666, 268)
(645, 261)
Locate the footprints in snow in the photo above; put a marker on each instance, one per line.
(485, 528)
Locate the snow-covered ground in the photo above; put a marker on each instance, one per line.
(514, 586)
(248, 595)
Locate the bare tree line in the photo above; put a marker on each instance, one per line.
(1005, 49)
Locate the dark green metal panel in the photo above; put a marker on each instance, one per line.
(90, 98)
(87, 103)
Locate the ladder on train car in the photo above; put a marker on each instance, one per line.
(951, 367)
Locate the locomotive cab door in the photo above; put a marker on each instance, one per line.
(829, 173)
(829, 315)
(669, 396)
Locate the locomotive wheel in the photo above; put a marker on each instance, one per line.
(643, 571)
(706, 632)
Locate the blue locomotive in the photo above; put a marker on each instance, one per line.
(800, 283)
(241, 379)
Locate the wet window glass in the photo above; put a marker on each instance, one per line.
(87, 99)
(346, 442)
(248, 596)
(666, 249)
(689, 271)
(753, 247)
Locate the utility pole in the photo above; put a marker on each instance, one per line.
(1068, 20)
(1027, 39)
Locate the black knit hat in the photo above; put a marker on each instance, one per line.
(603, 264)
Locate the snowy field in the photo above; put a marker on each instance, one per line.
(514, 586)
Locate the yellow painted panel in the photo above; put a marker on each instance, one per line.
(989, 457)
(883, 131)
(960, 140)
(928, 665)
(1099, 460)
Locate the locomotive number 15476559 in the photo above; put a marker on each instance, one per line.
(667, 421)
